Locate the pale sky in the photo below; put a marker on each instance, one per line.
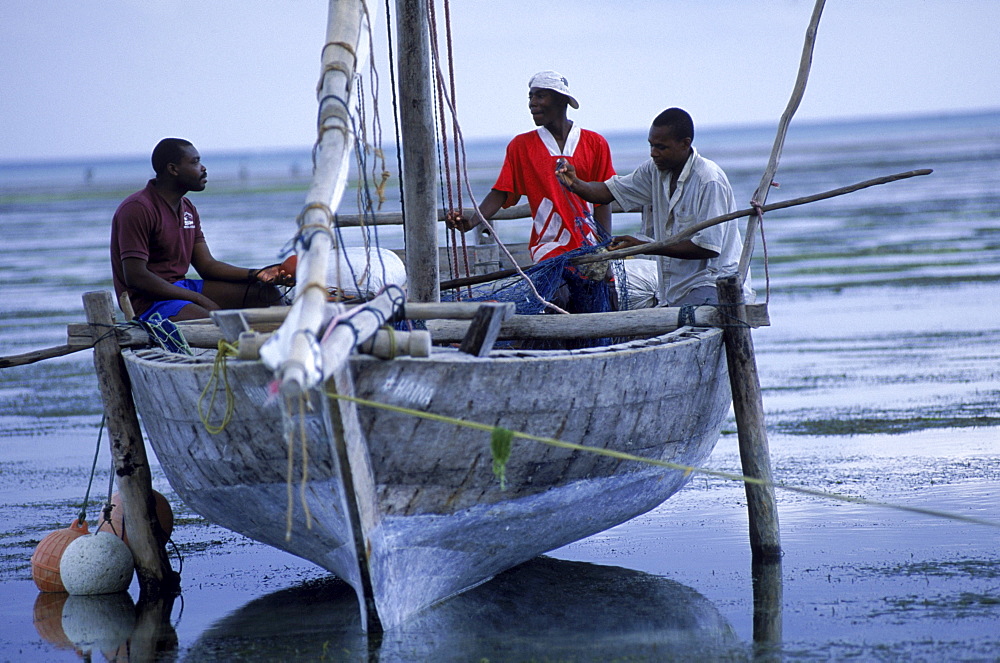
(108, 78)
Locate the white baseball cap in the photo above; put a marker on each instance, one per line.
(553, 80)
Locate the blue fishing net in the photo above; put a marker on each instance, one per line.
(163, 333)
(593, 288)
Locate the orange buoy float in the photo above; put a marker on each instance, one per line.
(164, 515)
(47, 617)
(48, 554)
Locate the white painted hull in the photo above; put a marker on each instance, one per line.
(443, 524)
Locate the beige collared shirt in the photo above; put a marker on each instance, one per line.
(702, 192)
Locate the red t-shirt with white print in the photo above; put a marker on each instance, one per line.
(561, 220)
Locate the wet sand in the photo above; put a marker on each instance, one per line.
(881, 380)
(858, 581)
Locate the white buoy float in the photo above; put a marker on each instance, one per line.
(98, 622)
(98, 564)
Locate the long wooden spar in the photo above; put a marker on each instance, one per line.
(698, 227)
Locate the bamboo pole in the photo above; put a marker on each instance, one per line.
(698, 227)
(760, 195)
(135, 485)
(346, 45)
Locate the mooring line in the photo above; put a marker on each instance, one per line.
(687, 469)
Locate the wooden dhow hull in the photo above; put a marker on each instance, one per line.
(441, 522)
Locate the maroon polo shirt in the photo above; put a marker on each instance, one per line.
(145, 226)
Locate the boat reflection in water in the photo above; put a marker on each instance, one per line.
(111, 624)
(544, 609)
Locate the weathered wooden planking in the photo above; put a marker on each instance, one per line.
(640, 322)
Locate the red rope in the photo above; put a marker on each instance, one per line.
(452, 208)
(459, 166)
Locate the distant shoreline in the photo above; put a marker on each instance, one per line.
(229, 153)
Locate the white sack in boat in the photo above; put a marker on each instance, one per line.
(641, 283)
(360, 271)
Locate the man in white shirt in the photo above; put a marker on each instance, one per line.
(676, 188)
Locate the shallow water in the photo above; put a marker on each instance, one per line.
(880, 376)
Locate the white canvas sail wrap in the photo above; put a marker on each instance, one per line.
(293, 352)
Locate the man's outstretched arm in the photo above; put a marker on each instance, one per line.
(594, 192)
(489, 206)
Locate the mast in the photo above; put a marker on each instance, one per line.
(420, 181)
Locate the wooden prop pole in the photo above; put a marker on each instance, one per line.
(768, 598)
(153, 637)
(765, 541)
(135, 484)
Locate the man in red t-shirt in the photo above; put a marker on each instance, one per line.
(156, 237)
(562, 221)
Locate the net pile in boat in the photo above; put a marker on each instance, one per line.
(592, 288)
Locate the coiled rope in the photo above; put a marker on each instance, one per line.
(225, 350)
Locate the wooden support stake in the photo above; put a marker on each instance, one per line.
(135, 483)
(154, 637)
(765, 542)
(768, 599)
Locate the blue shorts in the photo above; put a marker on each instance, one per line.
(171, 307)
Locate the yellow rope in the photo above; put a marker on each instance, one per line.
(219, 366)
(687, 469)
(305, 460)
(290, 438)
(392, 341)
(290, 426)
(380, 186)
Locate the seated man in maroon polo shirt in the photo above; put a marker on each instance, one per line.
(156, 237)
